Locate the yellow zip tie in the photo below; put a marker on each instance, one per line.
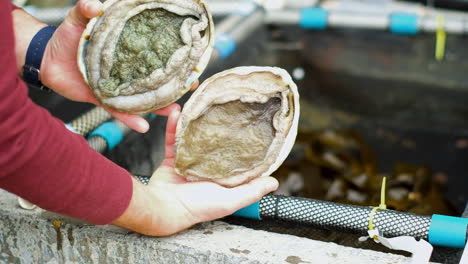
(440, 38)
(382, 206)
(382, 194)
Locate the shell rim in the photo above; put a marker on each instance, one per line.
(193, 76)
(292, 133)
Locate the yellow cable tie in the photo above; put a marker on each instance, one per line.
(382, 206)
(441, 36)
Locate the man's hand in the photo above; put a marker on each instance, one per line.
(59, 69)
(169, 203)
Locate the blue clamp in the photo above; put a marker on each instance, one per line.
(313, 18)
(110, 132)
(252, 211)
(225, 44)
(448, 231)
(404, 23)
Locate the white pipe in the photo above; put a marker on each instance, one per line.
(341, 19)
(367, 21)
(372, 6)
(295, 4)
(222, 8)
(429, 24)
(283, 17)
(250, 24)
(228, 23)
(242, 30)
(225, 26)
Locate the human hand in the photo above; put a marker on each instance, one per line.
(169, 203)
(59, 69)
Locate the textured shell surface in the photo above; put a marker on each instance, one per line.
(142, 55)
(238, 125)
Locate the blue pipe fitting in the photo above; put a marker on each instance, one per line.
(110, 132)
(225, 44)
(404, 24)
(252, 211)
(448, 231)
(313, 18)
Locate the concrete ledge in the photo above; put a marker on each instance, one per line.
(29, 237)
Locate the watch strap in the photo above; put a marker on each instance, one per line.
(34, 54)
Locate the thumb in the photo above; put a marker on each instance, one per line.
(83, 11)
(167, 174)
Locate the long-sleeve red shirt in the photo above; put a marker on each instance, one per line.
(43, 162)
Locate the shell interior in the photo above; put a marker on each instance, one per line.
(146, 43)
(238, 127)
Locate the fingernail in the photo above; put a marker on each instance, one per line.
(176, 113)
(272, 184)
(97, 6)
(143, 125)
(94, 8)
(177, 107)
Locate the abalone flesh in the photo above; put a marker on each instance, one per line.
(141, 55)
(238, 125)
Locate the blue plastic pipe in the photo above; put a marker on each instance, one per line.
(112, 133)
(225, 44)
(252, 211)
(446, 231)
(313, 18)
(404, 23)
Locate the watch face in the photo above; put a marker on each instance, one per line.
(238, 125)
(143, 55)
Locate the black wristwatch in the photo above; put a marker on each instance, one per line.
(32, 66)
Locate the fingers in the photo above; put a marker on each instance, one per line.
(166, 111)
(83, 11)
(140, 125)
(166, 171)
(171, 128)
(207, 201)
(195, 85)
(249, 193)
(166, 174)
(91, 8)
(134, 122)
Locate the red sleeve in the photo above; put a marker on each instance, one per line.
(13, 6)
(42, 161)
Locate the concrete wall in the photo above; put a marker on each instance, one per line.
(39, 237)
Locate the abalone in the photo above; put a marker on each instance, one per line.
(142, 55)
(240, 124)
